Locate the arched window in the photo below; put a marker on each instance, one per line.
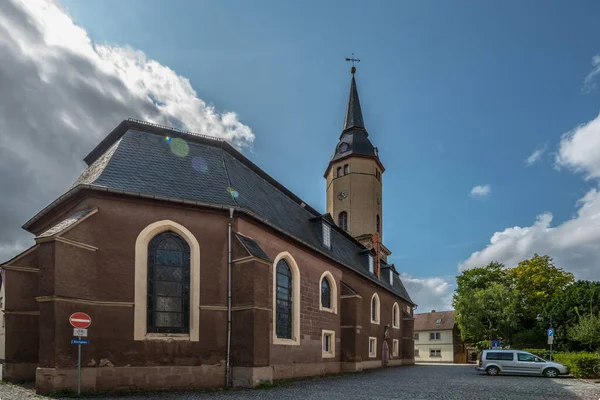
(375, 309)
(343, 220)
(284, 300)
(325, 293)
(378, 224)
(328, 296)
(346, 169)
(339, 171)
(396, 316)
(168, 303)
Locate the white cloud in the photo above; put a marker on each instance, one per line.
(536, 155)
(588, 82)
(62, 93)
(579, 149)
(481, 191)
(432, 293)
(574, 244)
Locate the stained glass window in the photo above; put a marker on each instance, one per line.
(325, 293)
(168, 304)
(374, 309)
(284, 301)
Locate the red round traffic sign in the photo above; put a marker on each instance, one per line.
(80, 320)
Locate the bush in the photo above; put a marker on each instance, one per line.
(581, 364)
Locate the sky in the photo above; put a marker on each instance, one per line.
(486, 114)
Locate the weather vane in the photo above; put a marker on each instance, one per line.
(353, 70)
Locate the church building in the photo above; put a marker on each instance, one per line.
(199, 270)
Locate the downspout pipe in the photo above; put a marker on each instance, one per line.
(228, 353)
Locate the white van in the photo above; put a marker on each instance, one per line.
(494, 362)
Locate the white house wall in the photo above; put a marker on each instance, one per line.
(424, 345)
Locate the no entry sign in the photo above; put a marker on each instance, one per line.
(80, 320)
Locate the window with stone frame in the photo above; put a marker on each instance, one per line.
(284, 301)
(396, 316)
(339, 172)
(346, 169)
(435, 336)
(375, 307)
(328, 344)
(325, 293)
(416, 352)
(395, 347)
(372, 347)
(168, 290)
(416, 336)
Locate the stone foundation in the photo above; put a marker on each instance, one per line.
(251, 376)
(288, 371)
(19, 372)
(51, 380)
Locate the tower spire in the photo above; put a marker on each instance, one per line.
(354, 118)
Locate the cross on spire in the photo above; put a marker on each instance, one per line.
(353, 70)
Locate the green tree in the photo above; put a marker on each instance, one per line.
(587, 331)
(488, 313)
(480, 278)
(537, 280)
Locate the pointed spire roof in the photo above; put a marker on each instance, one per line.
(354, 118)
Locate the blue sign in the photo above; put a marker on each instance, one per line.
(80, 341)
(551, 332)
(495, 344)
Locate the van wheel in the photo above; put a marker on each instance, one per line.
(551, 373)
(492, 371)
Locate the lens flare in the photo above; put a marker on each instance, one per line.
(168, 138)
(199, 164)
(179, 147)
(233, 192)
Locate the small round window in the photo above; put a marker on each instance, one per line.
(343, 147)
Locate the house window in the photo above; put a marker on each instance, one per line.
(395, 348)
(326, 235)
(372, 347)
(284, 300)
(346, 169)
(375, 309)
(343, 220)
(339, 171)
(416, 336)
(377, 174)
(435, 353)
(435, 336)
(371, 264)
(391, 277)
(325, 293)
(416, 352)
(328, 341)
(168, 303)
(396, 316)
(378, 224)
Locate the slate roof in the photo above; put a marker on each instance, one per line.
(137, 158)
(428, 321)
(66, 223)
(252, 247)
(354, 139)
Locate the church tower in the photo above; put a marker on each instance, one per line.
(354, 179)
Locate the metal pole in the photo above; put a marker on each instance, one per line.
(228, 355)
(79, 367)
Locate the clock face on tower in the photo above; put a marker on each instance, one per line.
(343, 194)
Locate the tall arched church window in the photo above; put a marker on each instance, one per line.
(378, 224)
(325, 293)
(343, 220)
(339, 171)
(168, 303)
(346, 169)
(284, 301)
(375, 309)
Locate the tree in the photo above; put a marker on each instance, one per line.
(587, 331)
(480, 278)
(537, 280)
(488, 313)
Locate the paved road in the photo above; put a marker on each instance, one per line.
(420, 382)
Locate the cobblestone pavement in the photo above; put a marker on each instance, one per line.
(420, 382)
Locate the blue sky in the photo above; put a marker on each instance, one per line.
(454, 94)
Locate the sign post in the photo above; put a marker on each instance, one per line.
(551, 340)
(496, 344)
(80, 322)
